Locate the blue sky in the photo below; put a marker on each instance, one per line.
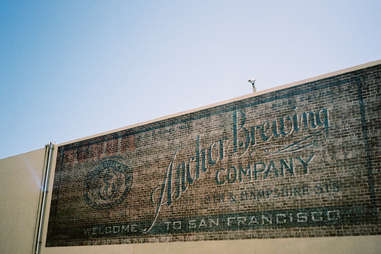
(70, 69)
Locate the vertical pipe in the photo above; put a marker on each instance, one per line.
(44, 190)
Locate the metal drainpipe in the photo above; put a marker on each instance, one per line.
(44, 190)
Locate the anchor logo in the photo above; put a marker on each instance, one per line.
(108, 184)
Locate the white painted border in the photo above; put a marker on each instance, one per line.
(319, 77)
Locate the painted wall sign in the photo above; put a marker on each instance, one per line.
(298, 162)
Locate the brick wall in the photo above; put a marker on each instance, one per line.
(298, 162)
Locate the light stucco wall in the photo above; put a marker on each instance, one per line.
(337, 245)
(20, 181)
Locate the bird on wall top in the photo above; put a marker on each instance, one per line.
(252, 82)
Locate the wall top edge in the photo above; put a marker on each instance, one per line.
(277, 88)
(15, 156)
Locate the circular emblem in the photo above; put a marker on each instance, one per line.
(108, 183)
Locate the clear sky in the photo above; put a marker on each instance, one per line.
(70, 69)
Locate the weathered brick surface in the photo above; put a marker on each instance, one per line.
(299, 162)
